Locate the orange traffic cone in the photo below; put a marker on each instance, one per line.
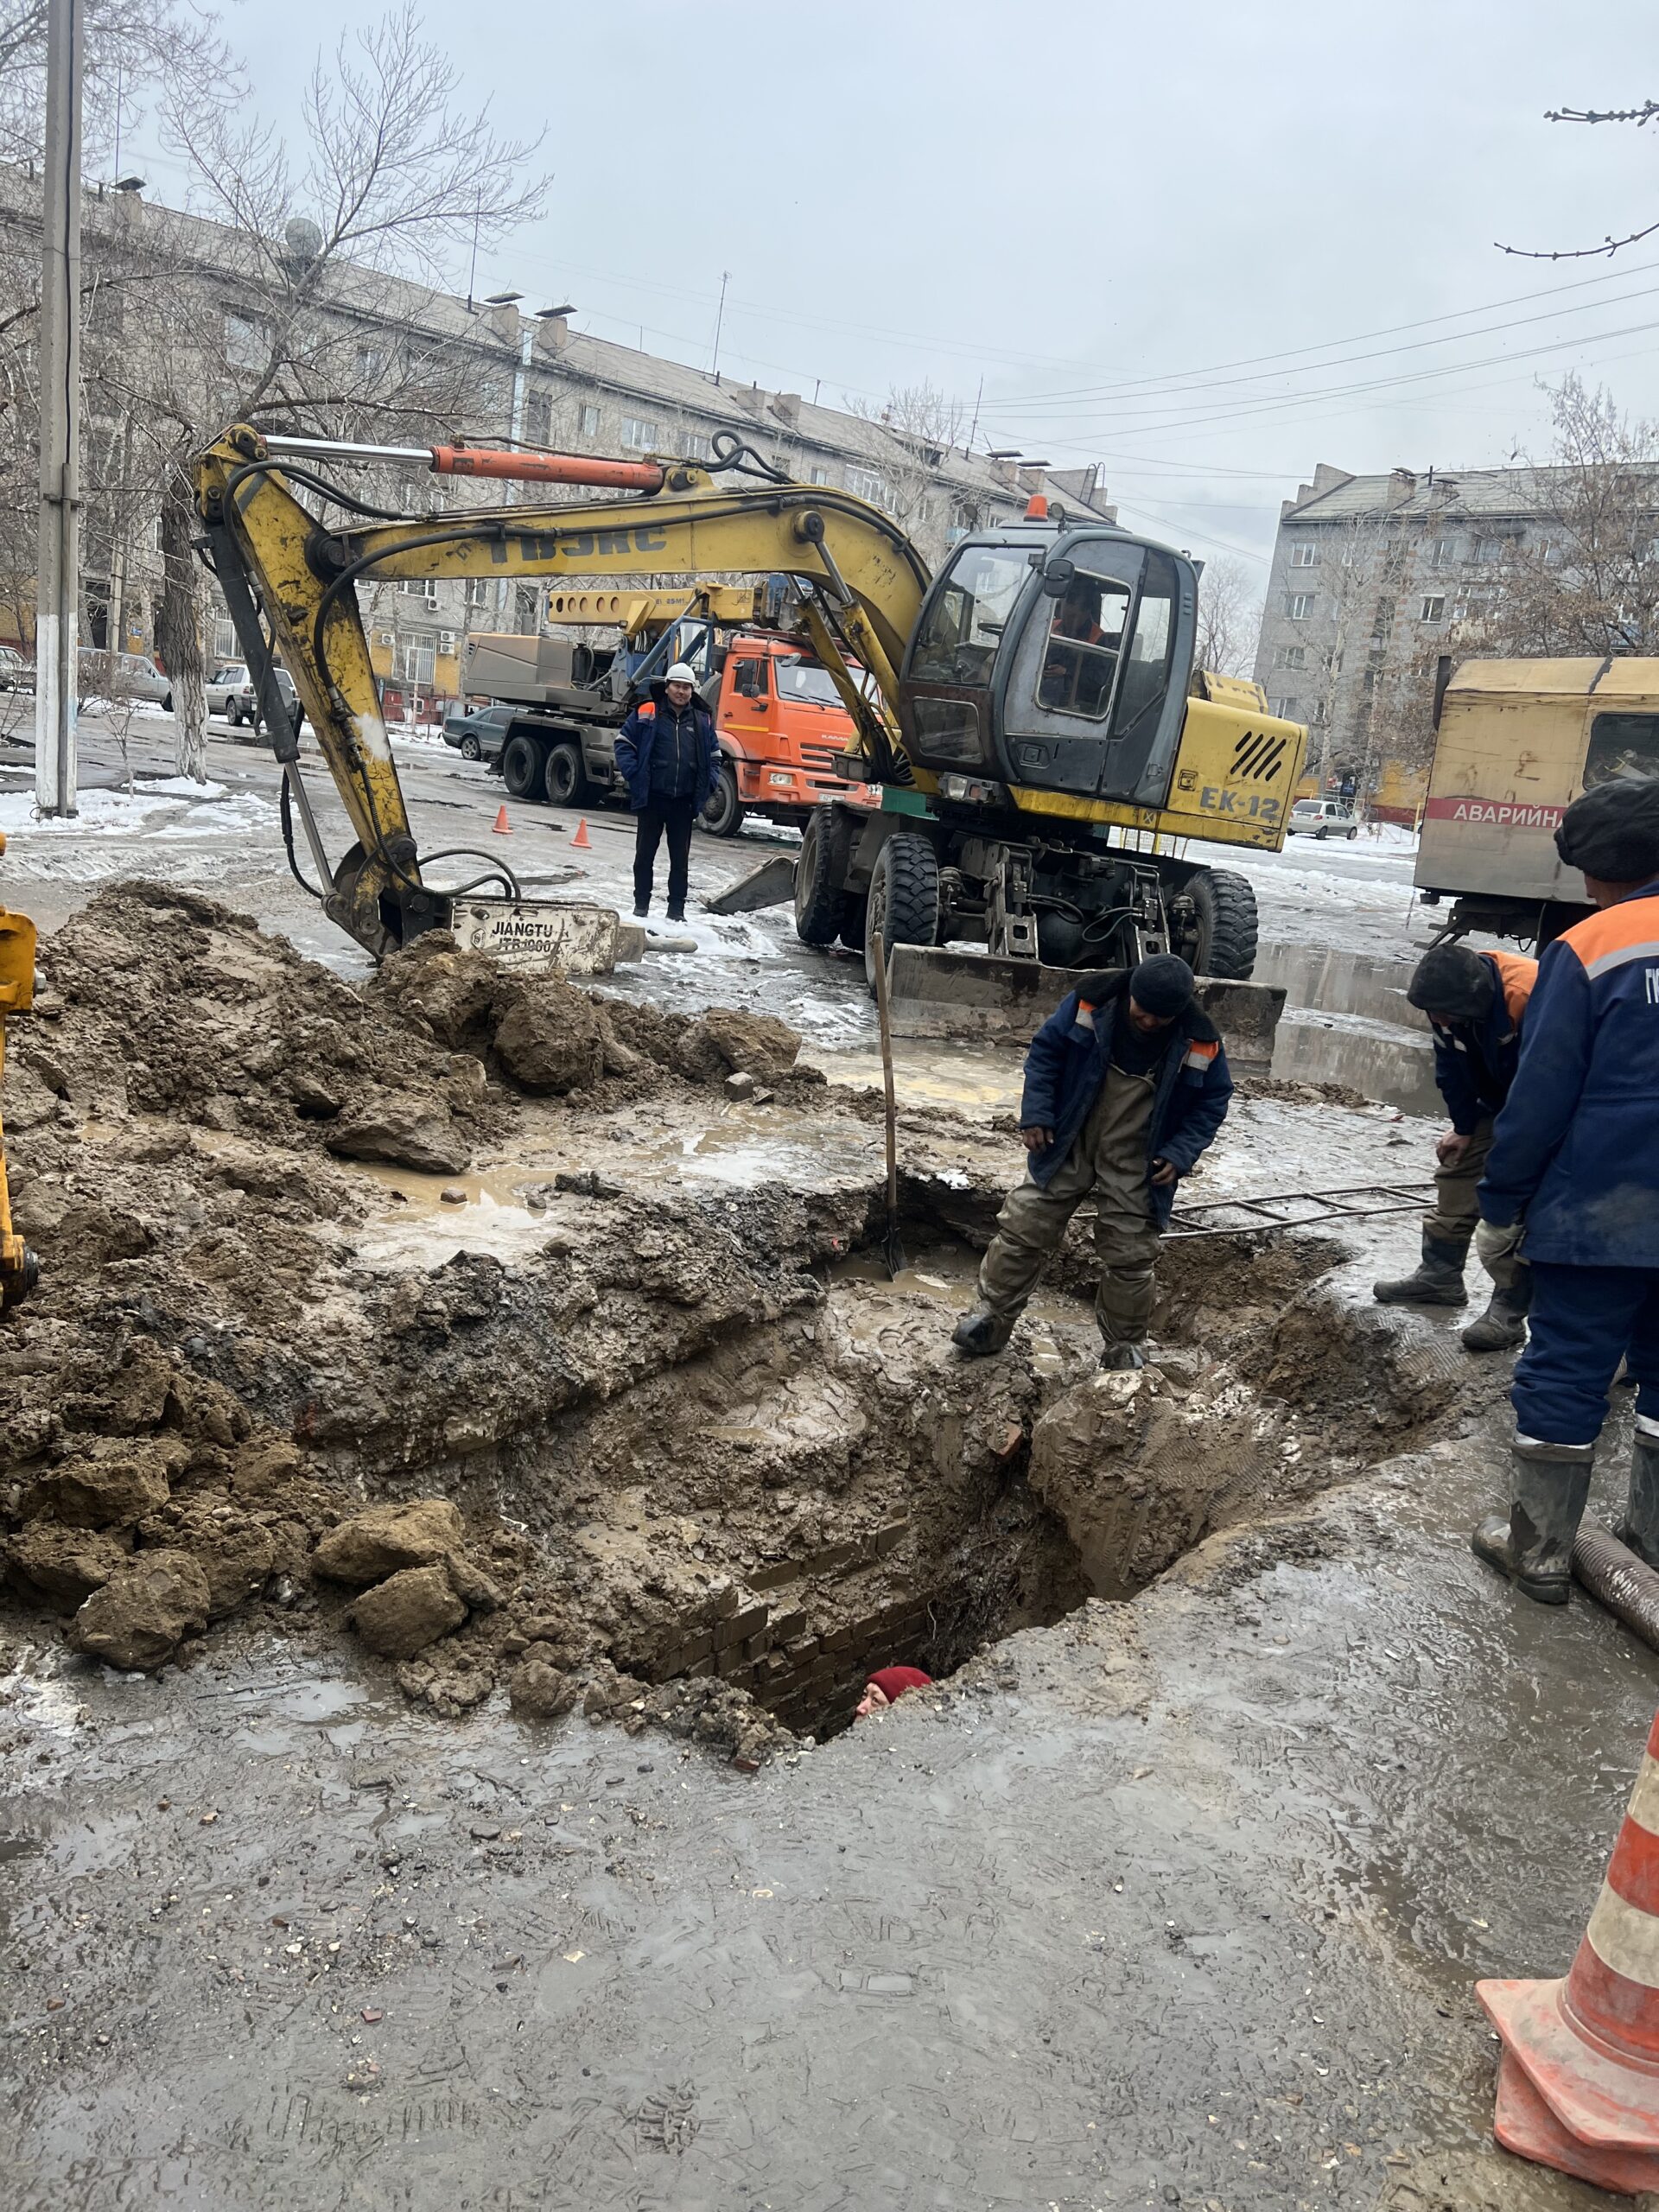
(582, 841)
(503, 827)
(1577, 2087)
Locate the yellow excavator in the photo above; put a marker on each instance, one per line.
(1041, 740)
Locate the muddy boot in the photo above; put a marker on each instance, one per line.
(1121, 1359)
(977, 1335)
(1438, 1280)
(1548, 1483)
(1503, 1325)
(1640, 1527)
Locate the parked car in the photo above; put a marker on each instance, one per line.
(1322, 817)
(225, 688)
(13, 668)
(121, 676)
(482, 734)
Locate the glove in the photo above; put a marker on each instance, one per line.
(1496, 1243)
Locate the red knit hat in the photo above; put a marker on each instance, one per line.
(893, 1682)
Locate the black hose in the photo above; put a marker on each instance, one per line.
(1615, 1578)
(303, 882)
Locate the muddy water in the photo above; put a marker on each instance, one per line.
(1346, 1020)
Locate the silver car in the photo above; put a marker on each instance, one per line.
(1322, 817)
(124, 676)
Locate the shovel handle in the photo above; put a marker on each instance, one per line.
(887, 1076)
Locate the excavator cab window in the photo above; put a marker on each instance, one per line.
(1085, 641)
(962, 624)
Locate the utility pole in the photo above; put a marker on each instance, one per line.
(720, 317)
(58, 565)
(974, 433)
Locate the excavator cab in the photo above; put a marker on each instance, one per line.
(1054, 659)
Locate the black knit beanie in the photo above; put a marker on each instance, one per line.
(1454, 982)
(1613, 831)
(1162, 986)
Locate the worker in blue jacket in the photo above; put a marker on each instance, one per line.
(668, 756)
(1476, 1005)
(1126, 1084)
(1574, 1168)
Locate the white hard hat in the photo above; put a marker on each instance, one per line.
(680, 673)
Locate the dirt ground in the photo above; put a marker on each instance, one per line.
(461, 1465)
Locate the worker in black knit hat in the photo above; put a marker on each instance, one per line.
(1476, 1003)
(1576, 1164)
(1125, 1086)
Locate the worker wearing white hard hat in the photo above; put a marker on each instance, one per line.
(668, 756)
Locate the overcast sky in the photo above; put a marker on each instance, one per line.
(1099, 210)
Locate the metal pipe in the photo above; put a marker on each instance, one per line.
(1615, 1578)
(486, 460)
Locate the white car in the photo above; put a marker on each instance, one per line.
(1322, 817)
(231, 696)
(121, 676)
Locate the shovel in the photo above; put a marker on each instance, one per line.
(893, 1249)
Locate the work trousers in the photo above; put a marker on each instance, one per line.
(1455, 1214)
(676, 817)
(1110, 1159)
(1583, 1322)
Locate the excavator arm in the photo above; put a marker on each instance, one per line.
(290, 581)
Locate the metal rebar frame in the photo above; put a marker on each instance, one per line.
(1314, 1209)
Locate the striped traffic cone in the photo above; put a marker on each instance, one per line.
(1579, 2086)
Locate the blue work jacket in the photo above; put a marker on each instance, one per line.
(1576, 1148)
(1068, 1063)
(636, 740)
(1474, 1061)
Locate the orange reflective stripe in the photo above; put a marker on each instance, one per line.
(1617, 933)
(646, 710)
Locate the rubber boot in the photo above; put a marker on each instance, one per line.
(1640, 1529)
(1121, 1359)
(1438, 1280)
(1548, 1484)
(639, 912)
(1503, 1325)
(675, 914)
(977, 1335)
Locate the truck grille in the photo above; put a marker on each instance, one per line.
(821, 758)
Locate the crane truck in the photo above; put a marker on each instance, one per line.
(1042, 740)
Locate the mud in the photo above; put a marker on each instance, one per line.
(657, 1450)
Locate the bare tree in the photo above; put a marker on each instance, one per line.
(130, 46)
(1583, 579)
(923, 424)
(1230, 616)
(1638, 118)
(325, 332)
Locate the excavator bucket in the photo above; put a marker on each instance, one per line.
(941, 993)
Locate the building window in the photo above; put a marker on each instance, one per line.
(370, 364)
(478, 591)
(1489, 551)
(1285, 709)
(590, 422)
(817, 473)
(429, 591)
(417, 662)
(1443, 554)
(1299, 605)
(246, 346)
(446, 641)
(1304, 553)
(694, 444)
(1555, 553)
(1433, 608)
(639, 433)
(156, 535)
(224, 638)
(1290, 656)
(866, 484)
(411, 587)
(538, 419)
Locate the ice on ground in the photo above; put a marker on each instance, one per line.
(165, 806)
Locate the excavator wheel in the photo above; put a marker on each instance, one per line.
(1223, 942)
(820, 903)
(904, 904)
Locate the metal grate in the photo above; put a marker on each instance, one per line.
(1298, 1208)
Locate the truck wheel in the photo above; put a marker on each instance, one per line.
(521, 768)
(819, 898)
(563, 777)
(1222, 941)
(724, 815)
(904, 906)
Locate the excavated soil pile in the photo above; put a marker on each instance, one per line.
(676, 1464)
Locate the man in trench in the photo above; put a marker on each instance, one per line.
(1476, 1006)
(1126, 1084)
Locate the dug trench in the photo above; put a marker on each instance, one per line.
(683, 1457)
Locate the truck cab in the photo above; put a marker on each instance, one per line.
(781, 726)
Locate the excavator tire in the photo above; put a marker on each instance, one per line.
(904, 903)
(1226, 935)
(820, 902)
(854, 913)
